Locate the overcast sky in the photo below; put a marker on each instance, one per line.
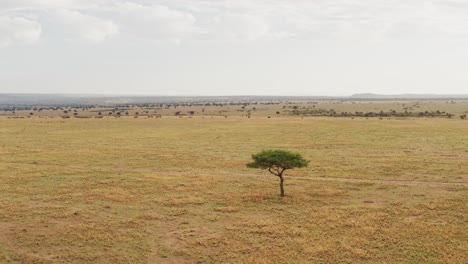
(234, 47)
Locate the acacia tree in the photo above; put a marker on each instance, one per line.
(277, 161)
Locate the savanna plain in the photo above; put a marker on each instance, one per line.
(176, 190)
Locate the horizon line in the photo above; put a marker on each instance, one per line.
(226, 95)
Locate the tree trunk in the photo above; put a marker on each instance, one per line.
(281, 185)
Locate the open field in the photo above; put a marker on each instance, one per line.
(176, 190)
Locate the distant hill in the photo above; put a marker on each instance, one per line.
(408, 96)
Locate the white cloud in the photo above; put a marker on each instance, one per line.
(87, 27)
(250, 20)
(18, 30)
(153, 21)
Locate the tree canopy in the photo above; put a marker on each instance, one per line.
(277, 159)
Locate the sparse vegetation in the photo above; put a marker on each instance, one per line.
(325, 108)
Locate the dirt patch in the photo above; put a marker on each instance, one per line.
(6, 231)
(154, 259)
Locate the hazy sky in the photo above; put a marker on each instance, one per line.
(234, 47)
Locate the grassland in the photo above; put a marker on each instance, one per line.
(176, 190)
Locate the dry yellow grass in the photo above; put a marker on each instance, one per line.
(173, 190)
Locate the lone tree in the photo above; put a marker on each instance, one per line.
(277, 161)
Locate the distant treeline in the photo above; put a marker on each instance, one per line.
(393, 113)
